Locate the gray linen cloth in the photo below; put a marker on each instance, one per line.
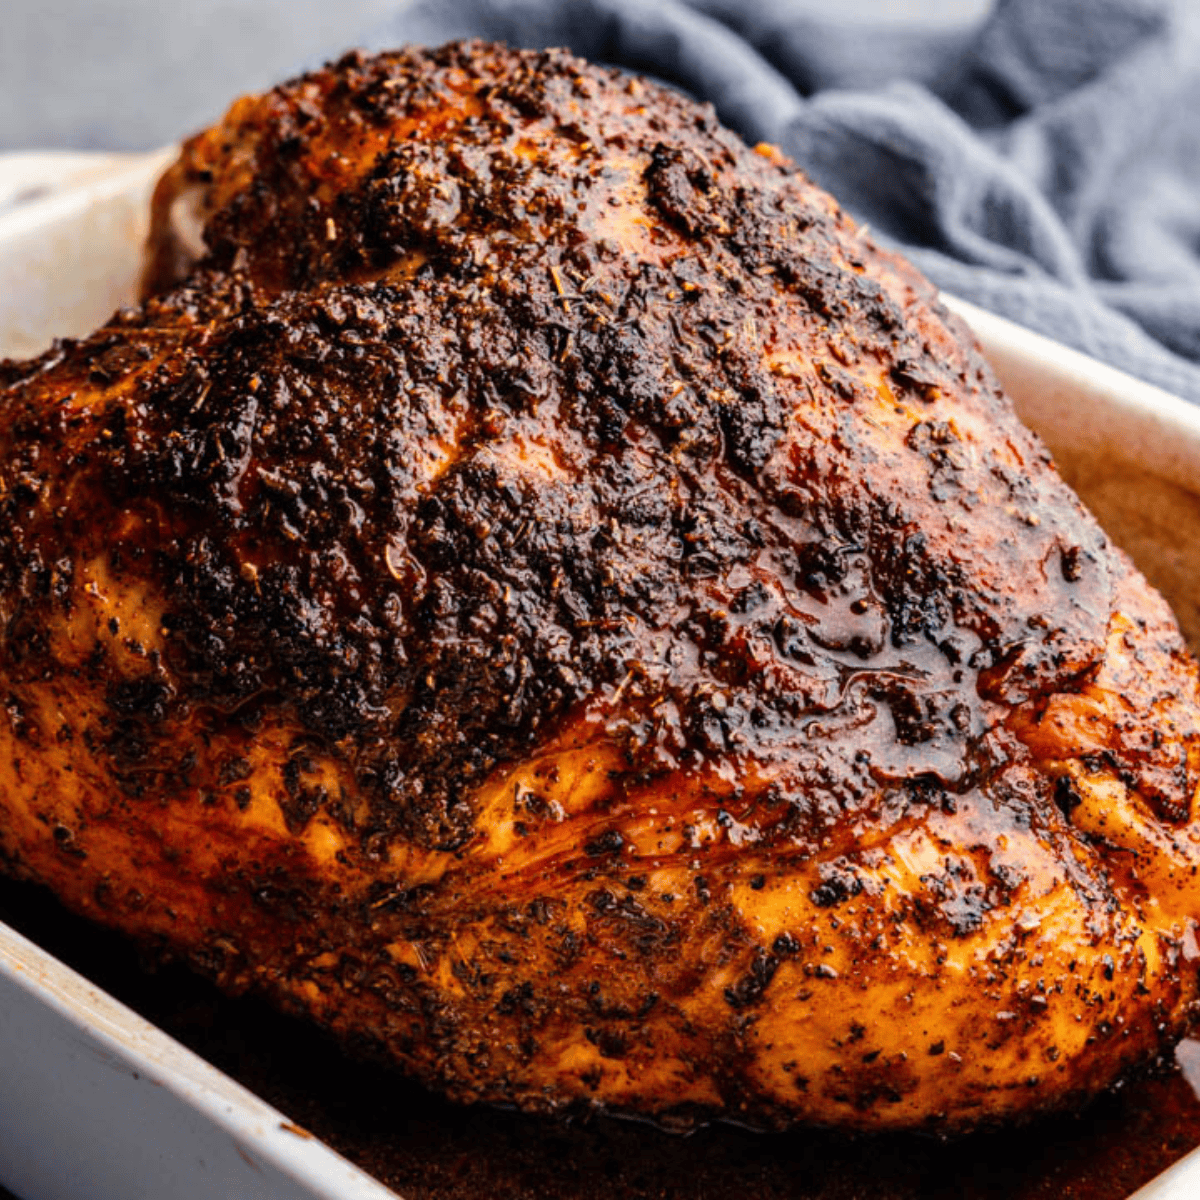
(1046, 167)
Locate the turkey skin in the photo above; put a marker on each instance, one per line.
(535, 588)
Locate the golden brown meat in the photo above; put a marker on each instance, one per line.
(546, 596)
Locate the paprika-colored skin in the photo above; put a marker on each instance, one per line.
(537, 589)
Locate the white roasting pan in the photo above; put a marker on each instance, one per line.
(98, 1104)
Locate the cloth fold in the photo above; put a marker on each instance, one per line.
(1045, 165)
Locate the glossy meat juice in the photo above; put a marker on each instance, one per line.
(538, 590)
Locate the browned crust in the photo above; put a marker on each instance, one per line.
(546, 595)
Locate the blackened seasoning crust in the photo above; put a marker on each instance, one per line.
(544, 594)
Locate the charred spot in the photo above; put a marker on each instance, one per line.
(609, 842)
(920, 374)
(751, 598)
(938, 443)
(785, 946)
(791, 637)
(65, 841)
(612, 1009)
(146, 699)
(610, 1042)
(961, 908)
(541, 909)
(749, 989)
(839, 882)
(918, 590)
(300, 806)
(411, 200)
(626, 921)
(1072, 563)
(1066, 795)
(568, 950)
(752, 420)
(519, 999)
(684, 189)
(840, 382)
(821, 565)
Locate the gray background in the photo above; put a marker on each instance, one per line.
(135, 74)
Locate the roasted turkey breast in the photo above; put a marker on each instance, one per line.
(537, 589)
